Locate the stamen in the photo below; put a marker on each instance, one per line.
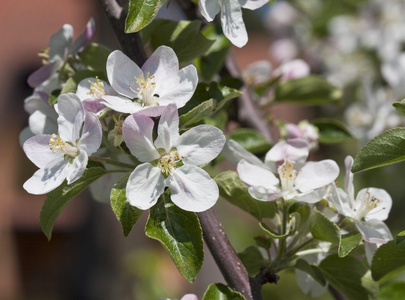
(97, 89)
(287, 175)
(368, 203)
(145, 90)
(168, 163)
(44, 54)
(57, 145)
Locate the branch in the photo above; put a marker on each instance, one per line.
(131, 43)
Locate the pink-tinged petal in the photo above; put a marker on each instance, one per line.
(163, 64)
(192, 189)
(252, 4)
(121, 72)
(382, 201)
(145, 184)
(311, 196)
(189, 297)
(209, 9)
(121, 104)
(47, 179)
(296, 150)
(77, 167)
(41, 75)
(200, 144)
(38, 151)
(93, 105)
(91, 137)
(254, 175)
(71, 117)
(232, 23)
(137, 131)
(296, 68)
(177, 88)
(315, 175)
(263, 194)
(85, 37)
(152, 111)
(374, 231)
(168, 129)
(234, 153)
(60, 42)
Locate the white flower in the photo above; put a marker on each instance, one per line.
(171, 161)
(296, 68)
(304, 130)
(368, 210)
(231, 16)
(158, 82)
(64, 155)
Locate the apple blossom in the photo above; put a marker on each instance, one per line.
(171, 160)
(303, 130)
(64, 155)
(158, 82)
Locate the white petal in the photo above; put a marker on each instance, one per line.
(145, 185)
(200, 144)
(163, 64)
(383, 207)
(47, 179)
(252, 4)
(137, 131)
(85, 37)
(316, 175)
(121, 72)
(374, 231)
(77, 167)
(349, 176)
(256, 176)
(234, 152)
(168, 129)
(209, 9)
(311, 196)
(296, 150)
(263, 194)
(71, 117)
(121, 104)
(60, 42)
(91, 137)
(192, 189)
(232, 23)
(38, 151)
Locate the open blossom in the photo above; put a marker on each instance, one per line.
(171, 160)
(368, 210)
(63, 155)
(302, 130)
(295, 180)
(231, 16)
(158, 82)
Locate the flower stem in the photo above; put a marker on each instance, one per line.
(112, 162)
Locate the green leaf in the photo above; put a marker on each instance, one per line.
(400, 237)
(180, 233)
(73, 82)
(385, 149)
(312, 270)
(400, 106)
(348, 242)
(222, 94)
(313, 90)
(53, 97)
(141, 13)
(324, 229)
(388, 258)
(219, 291)
(251, 140)
(57, 199)
(392, 291)
(94, 57)
(332, 131)
(127, 214)
(252, 259)
(213, 60)
(205, 109)
(232, 189)
(183, 37)
(346, 275)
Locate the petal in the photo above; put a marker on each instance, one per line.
(121, 104)
(232, 23)
(77, 167)
(85, 37)
(374, 231)
(209, 9)
(145, 185)
(168, 129)
(40, 123)
(121, 72)
(192, 189)
(91, 137)
(42, 74)
(263, 194)
(200, 144)
(234, 152)
(383, 204)
(47, 179)
(296, 150)
(256, 176)
(316, 175)
(252, 4)
(349, 176)
(189, 297)
(311, 196)
(38, 151)
(60, 42)
(137, 131)
(163, 64)
(71, 117)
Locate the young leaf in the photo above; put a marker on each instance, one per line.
(385, 149)
(252, 259)
(332, 131)
(222, 94)
(73, 82)
(57, 199)
(94, 57)
(127, 214)
(205, 109)
(312, 270)
(141, 13)
(180, 233)
(311, 90)
(400, 106)
(324, 229)
(219, 291)
(232, 189)
(348, 242)
(251, 140)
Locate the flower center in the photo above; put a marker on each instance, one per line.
(287, 175)
(116, 134)
(145, 90)
(168, 162)
(97, 89)
(57, 145)
(368, 203)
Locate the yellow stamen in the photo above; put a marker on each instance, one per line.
(97, 89)
(57, 145)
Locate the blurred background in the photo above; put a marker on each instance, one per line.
(88, 256)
